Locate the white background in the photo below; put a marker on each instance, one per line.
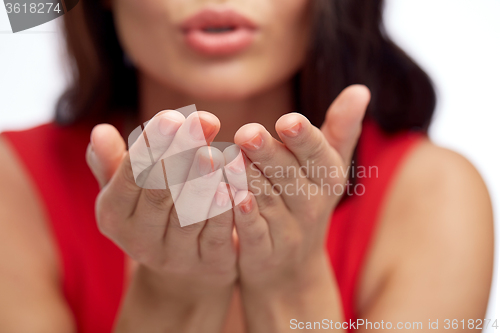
(456, 41)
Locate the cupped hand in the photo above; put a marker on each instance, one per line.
(144, 221)
(282, 219)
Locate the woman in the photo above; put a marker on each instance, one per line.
(410, 244)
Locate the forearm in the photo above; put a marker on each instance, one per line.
(311, 296)
(155, 304)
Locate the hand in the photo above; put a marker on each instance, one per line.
(282, 221)
(179, 268)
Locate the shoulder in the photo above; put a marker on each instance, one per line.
(435, 180)
(29, 269)
(21, 212)
(15, 188)
(435, 234)
(439, 199)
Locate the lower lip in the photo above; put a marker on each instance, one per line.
(220, 44)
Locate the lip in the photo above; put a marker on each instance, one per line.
(218, 32)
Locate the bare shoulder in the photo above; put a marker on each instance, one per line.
(439, 199)
(29, 275)
(434, 243)
(444, 187)
(21, 213)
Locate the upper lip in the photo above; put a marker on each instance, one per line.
(213, 18)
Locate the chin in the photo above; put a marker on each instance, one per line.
(231, 88)
(223, 92)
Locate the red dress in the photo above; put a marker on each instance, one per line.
(93, 267)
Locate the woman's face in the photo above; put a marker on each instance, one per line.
(215, 49)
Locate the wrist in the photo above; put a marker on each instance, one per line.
(172, 304)
(308, 294)
(181, 287)
(301, 276)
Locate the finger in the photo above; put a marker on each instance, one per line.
(309, 147)
(276, 163)
(253, 231)
(105, 152)
(200, 187)
(160, 131)
(142, 234)
(222, 201)
(198, 129)
(268, 199)
(111, 165)
(216, 238)
(117, 200)
(270, 205)
(343, 122)
(194, 203)
(234, 169)
(148, 145)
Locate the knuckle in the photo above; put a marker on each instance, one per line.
(158, 198)
(221, 222)
(266, 201)
(248, 224)
(217, 234)
(257, 237)
(188, 230)
(252, 232)
(215, 242)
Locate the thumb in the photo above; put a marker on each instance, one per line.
(105, 152)
(344, 118)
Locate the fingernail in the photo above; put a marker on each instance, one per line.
(205, 165)
(237, 166)
(255, 143)
(221, 198)
(201, 129)
(246, 205)
(168, 126)
(293, 131)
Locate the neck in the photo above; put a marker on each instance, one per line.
(264, 108)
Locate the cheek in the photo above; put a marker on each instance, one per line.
(296, 23)
(136, 13)
(289, 34)
(144, 30)
(133, 19)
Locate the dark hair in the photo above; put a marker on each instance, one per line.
(349, 45)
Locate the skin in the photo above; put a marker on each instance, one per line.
(431, 257)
